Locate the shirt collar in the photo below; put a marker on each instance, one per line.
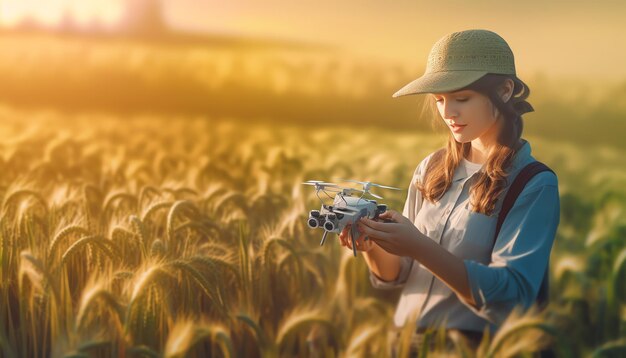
(521, 158)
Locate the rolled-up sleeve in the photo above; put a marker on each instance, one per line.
(520, 255)
(406, 263)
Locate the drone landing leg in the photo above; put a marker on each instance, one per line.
(354, 231)
(324, 237)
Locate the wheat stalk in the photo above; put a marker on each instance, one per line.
(301, 320)
(63, 233)
(154, 208)
(141, 233)
(108, 201)
(89, 297)
(104, 245)
(25, 192)
(178, 206)
(33, 268)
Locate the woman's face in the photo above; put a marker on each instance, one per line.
(467, 114)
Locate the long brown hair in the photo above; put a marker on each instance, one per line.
(492, 182)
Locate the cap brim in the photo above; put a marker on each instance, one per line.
(439, 82)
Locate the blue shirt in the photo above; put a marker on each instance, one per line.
(499, 279)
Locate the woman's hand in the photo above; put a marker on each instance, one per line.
(361, 243)
(399, 238)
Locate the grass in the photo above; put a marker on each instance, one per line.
(147, 242)
(158, 210)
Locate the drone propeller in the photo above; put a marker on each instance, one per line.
(348, 191)
(320, 184)
(385, 187)
(324, 187)
(368, 184)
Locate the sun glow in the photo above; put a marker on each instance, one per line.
(53, 12)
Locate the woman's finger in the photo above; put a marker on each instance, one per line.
(359, 240)
(347, 233)
(396, 216)
(376, 225)
(382, 243)
(386, 214)
(361, 243)
(349, 244)
(373, 233)
(391, 215)
(364, 243)
(343, 236)
(387, 217)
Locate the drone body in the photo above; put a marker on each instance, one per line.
(346, 209)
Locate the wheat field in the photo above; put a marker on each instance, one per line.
(120, 238)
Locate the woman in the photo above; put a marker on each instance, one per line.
(441, 248)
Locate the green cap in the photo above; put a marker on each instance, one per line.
(458, 59)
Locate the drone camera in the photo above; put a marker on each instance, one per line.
(330, 223)
(313, 223)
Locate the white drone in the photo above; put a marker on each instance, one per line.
(346, 209)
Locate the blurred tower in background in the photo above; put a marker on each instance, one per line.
(143, 17)
(68, 22)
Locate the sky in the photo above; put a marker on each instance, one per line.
(579, 38)
(570, 38)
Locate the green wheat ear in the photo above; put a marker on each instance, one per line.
(615, 348)
(619, 277)
(143, 350)
(259, 333)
